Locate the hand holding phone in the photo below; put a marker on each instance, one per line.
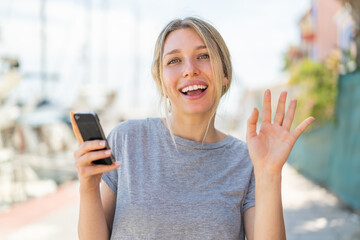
(86, 127)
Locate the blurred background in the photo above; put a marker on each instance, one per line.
(92, 55)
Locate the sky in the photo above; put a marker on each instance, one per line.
(109, 43)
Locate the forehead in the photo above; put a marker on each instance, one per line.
(183, 39)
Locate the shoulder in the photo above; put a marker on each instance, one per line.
(132, 126)
(129, 132)
(238, 148)
(237, 144)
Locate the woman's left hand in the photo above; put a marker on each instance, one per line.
(270, 148)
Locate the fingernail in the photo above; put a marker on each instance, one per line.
(117, 163)
(107, 152)
(102, 143)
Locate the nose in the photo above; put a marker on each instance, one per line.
(190, 69)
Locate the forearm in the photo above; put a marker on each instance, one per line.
(92, 221)
(269, 219)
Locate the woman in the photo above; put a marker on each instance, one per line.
(180, 177)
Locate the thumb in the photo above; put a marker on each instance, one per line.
(251, 124)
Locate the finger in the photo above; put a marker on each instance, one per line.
(302, 127)
(251, 124)
(75, 128)
(105, 168)
(280, 110)
(89, 146)
(98, 169)
(266, 110)
(89, 157)
(289, 117)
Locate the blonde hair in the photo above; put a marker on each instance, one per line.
(219, 59)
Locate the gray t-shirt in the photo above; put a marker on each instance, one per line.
(195, 191)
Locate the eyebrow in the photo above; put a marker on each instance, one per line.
(177, 50)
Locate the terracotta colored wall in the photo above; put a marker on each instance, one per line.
(326, 29)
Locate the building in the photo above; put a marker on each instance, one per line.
(326, 31)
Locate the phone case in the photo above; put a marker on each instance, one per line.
(90, 129)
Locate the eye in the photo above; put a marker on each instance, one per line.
(173, 61)
(204, 56)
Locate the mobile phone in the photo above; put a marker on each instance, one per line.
(90, 129)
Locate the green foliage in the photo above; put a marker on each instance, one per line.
(317, 87)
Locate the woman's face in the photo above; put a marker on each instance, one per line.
(187, 73)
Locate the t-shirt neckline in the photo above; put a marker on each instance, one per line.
(190, 143)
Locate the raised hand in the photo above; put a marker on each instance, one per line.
(270, 148)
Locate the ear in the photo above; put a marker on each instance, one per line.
(226, 82)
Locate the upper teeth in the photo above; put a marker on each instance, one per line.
(193, 87)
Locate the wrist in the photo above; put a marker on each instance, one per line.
(269, 170)
(89, 188)
(265, 176)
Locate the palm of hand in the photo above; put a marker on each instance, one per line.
(270, 148)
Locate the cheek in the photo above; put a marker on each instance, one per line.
(209, 71)
(170, 79)
(206, 69)
(170, 73)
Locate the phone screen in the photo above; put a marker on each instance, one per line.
(90, 129)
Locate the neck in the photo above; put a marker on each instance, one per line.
(194, 127)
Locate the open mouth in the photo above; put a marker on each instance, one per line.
(193, 90)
